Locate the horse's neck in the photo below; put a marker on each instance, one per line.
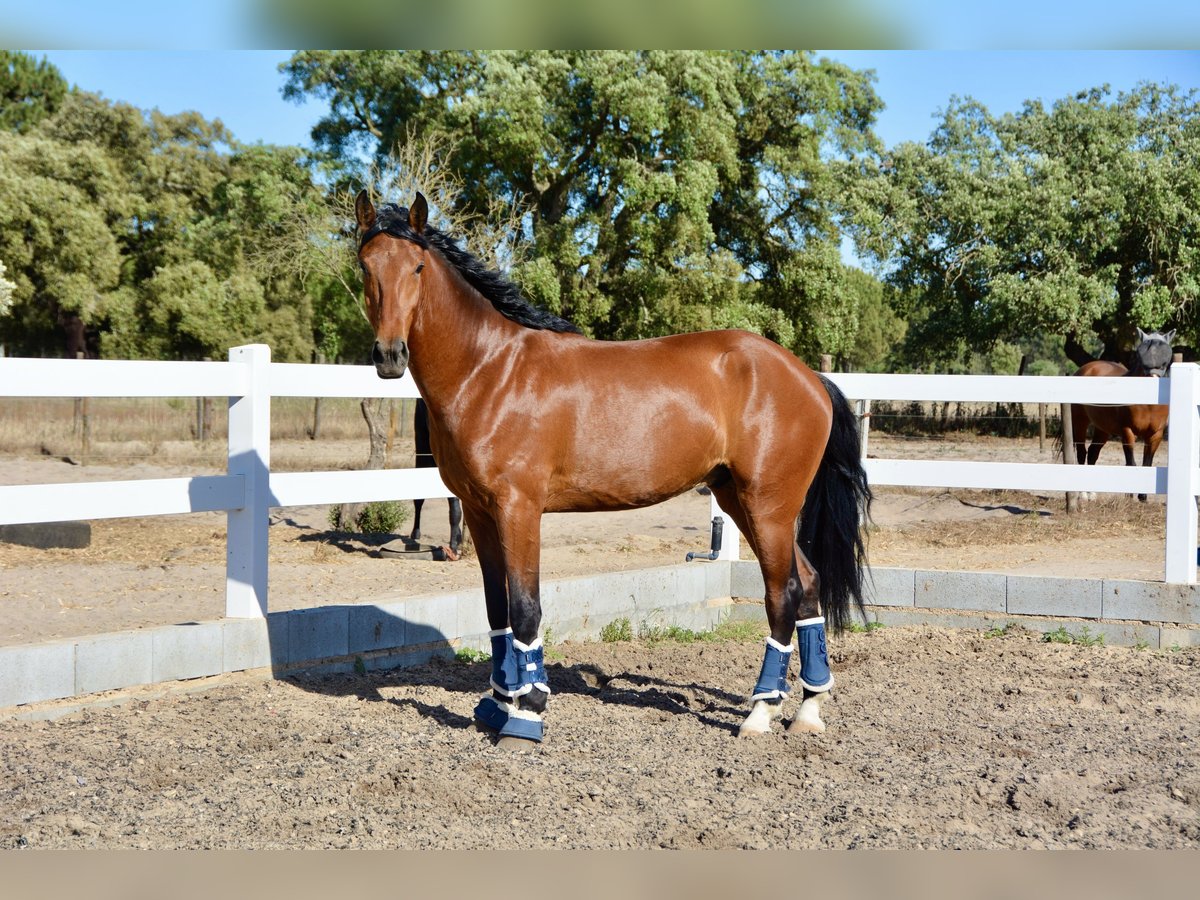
(455, 331)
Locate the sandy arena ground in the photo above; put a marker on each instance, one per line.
(936, 738)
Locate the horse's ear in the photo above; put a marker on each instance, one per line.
(1169, 337)
(364, 211)
(1141, 336)
(418, 213)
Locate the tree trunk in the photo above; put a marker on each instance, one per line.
(372, 411)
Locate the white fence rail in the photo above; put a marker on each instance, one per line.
(250, 489)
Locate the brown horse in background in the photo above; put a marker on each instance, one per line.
(1152, 358)
(528, 416)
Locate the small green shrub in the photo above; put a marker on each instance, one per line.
(1084, 639)
(383, 517)
(855, 628)
(467, 655)
(617, 631)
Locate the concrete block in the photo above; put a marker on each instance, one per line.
(255, 643)
(472, 614)
(36, 672)
(961, 590)
(187, 651)
(717, 579)
(1038, 596)
(375, 628)
(657, 590)
(745, 579)
(1115, 634)
(1152, 601)
(890, 587)
(897, 616)
(1170, 637)
(429, 619)
(111, 661)
(318, 633)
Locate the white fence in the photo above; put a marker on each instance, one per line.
(250, 489)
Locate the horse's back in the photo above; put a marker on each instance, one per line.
(1102, 367)
(630, 423)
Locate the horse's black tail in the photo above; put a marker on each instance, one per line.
(836, 511)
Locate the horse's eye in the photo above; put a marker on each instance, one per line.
(420, 267)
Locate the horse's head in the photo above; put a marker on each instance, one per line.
(1153, 353)
(392, 253)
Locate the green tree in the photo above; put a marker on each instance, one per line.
(1080, 220)
(144, 234)
(30, 90)
(666, 190)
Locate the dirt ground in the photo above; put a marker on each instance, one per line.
(937, 738)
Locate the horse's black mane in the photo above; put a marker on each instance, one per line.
(500, 292)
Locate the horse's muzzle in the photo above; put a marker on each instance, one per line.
(390, 359)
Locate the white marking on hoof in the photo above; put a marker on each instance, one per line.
(762, 714)
(808, 719)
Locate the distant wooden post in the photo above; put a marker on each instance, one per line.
(1041, 426)
(1068, 438)
(826, 362)
(83, 416)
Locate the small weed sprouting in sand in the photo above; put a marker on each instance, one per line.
(468, 655)
(360, 666)
(743, 632)
(1084, 639)
(617, 631)
(552, 654)
(997, 631)
(677, 634)
(1141, 643)
(856, 628)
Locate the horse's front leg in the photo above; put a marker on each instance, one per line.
(509, 550)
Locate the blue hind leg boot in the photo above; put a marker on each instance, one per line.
(772, 679)
(814, 659)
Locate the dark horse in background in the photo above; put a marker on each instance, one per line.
(527, 416)
(425, 460)
(1151, 358)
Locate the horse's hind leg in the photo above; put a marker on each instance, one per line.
(415, 535)
(791, 588)
(1079, 428)
(456, 533)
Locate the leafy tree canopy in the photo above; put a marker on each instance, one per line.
(30, 90)
(1081, 220)
(666, 190)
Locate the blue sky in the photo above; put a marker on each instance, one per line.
(243, 87)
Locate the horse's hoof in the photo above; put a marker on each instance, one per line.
(808, 719)
(516, 744)
(762, 714)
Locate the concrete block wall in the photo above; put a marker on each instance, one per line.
(698, 595)
(1125, 612)
(392, 632)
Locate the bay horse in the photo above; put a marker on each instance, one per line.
(425, 460)
(1151, 358)
(528, 416)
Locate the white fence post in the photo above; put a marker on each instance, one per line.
(1183, 457)
(249, 457)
